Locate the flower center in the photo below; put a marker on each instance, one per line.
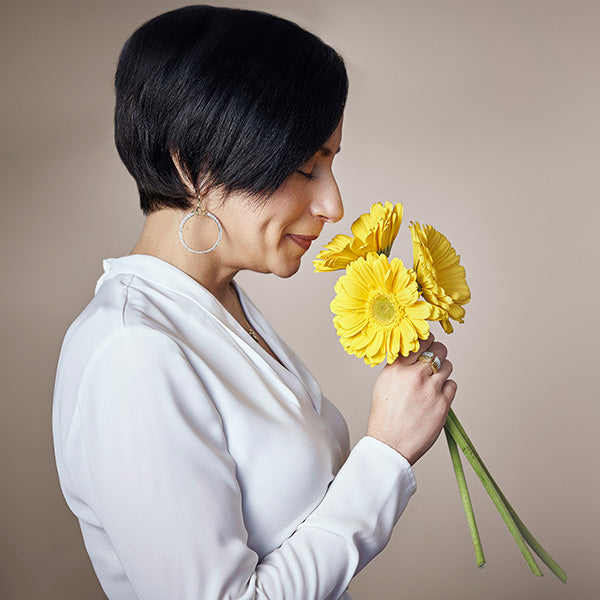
(385, 309)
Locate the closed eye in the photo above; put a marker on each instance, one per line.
(307, 175)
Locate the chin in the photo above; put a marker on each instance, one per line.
(287, 270)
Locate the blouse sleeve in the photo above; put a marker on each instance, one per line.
(165, 489)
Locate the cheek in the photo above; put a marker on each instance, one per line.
(293, 213)
(279, 217)
(280, 224)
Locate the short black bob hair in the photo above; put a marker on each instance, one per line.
(242, 98)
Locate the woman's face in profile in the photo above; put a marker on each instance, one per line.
(273, 237)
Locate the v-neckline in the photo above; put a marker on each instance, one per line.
(168, 275)
(284, 364)
(279, 356)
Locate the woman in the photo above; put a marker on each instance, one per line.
(193, 445)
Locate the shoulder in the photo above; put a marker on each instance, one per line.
(129, 309)
(120, 313)
(122, 329)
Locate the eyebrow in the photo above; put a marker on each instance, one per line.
(325, 151)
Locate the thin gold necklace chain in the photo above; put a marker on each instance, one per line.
(247, 327)
(253, 333)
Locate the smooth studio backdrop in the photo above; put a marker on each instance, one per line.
(483, 119)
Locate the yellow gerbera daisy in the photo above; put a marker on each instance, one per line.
(439, 273)
(374, 231)
(378, 311)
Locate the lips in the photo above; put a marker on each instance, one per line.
(303, 241)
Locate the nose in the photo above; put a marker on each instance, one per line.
(327, 204)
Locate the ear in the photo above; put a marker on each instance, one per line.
(185, 176)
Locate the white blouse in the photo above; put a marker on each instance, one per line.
(201, 468)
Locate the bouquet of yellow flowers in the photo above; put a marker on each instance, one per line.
(379, 314)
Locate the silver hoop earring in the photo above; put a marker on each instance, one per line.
(199, 211)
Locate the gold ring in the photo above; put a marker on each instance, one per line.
(434, 361)
(426, 356)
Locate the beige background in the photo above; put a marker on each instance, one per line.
(483, 119)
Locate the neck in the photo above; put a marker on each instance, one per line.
(160, 238)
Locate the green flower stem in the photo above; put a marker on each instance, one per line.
(387, 250)
(493, 493)
(535, 545)
(466, 500)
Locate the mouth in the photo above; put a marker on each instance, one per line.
(303, 241)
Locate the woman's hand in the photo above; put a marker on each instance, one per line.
(409, 403)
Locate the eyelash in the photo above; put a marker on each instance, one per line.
(307, 175)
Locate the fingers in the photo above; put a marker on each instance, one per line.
(428, 366)
(439, 350)
(449, 390)
(412, 356)
(447, 386)
(444, 372)
(423, 345)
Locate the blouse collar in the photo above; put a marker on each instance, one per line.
(162, 273)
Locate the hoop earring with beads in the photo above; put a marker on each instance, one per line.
(199, 211)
